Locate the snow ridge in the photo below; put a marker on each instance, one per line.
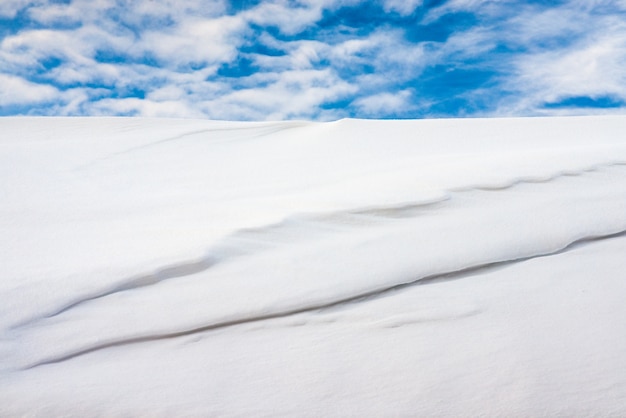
(299, 287)
(433, 279)
(229, 247)
(470, 264)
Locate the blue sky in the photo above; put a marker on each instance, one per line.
(312, 59)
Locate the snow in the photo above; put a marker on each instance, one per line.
(161, 267)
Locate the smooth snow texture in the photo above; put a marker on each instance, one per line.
(353, 268)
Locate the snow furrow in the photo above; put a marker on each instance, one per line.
(359, 298)
(257, 130)
(166, 273)
(302, 230)
(540, 179)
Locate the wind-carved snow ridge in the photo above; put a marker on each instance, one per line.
(248, 242)
(227, 133)
(384, 237)
(359, 298)
(541, 179)
(271, 260)
(166, 273)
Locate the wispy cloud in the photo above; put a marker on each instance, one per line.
(312, 59)
(17, 91)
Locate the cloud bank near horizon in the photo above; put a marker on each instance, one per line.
(312, 59)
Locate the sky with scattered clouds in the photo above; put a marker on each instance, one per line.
(312, 59)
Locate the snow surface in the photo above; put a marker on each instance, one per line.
(355, 268)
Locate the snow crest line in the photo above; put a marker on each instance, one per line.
(264, 131)
(222, 251)
(539, 180)
(363, 297)
(166, 273)
(226, 253)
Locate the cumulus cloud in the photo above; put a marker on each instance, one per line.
(311, 59)
(404, 7)
(295, 94)
(17, 91)
(284, 16)
(10, 8)
(199, 41)
(385, 103)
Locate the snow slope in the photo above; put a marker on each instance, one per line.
(355, 268)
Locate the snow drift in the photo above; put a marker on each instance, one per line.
(353, 268)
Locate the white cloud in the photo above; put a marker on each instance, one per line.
(479, 7)
(199, 40)
(575, 49)
(199, 35)
(386, 51)
(403, 7)
(29, 48)
(385, 103)
(143, 107)
(135, 12)
(176, 10)
(167, 93)
(588, 63)
(289, 94)
(55, 13)
(17, 91)
(10, 8)
(306, 55)
(171, 51)
(290, 20)
(595, 70)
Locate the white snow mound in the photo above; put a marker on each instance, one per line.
(153, 267)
